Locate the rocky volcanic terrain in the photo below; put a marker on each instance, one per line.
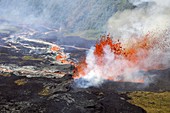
(32, 81)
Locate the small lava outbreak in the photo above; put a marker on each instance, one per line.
(116, 61)
(61, 57)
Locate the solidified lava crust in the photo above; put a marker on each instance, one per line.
(31, 82)
(56, 95)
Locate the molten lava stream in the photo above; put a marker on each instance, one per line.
(61, 56)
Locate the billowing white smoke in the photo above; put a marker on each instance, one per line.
(148, 16)
(97, 74)
(93, 78)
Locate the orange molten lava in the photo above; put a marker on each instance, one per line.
(61, 56)
(55, 48)
(133, 52)
(129, 53)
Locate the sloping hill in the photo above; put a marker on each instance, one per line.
(70, 16)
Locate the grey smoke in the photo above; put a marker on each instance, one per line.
(71, 16)
(148, 16)
(130, 25)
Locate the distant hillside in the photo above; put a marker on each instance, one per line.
(70, 16)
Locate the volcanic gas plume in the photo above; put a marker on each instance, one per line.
(143, 45)
(127, 62)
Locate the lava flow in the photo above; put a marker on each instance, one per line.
(116, 61)
(61, 56)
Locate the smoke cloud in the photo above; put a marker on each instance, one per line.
(149, 17)
(70, 16)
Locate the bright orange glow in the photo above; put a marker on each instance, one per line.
(55, 48)
(79, 70)
(61, 56)
(133, 53)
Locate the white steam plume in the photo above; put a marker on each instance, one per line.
(148, 16)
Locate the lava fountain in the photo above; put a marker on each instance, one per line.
(116, 61)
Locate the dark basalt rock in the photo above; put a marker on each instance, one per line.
(19, 94)
(43, 95)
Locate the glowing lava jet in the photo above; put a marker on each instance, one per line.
(109, 60)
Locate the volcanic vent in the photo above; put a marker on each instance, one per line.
(40, 66)
(123, 62)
